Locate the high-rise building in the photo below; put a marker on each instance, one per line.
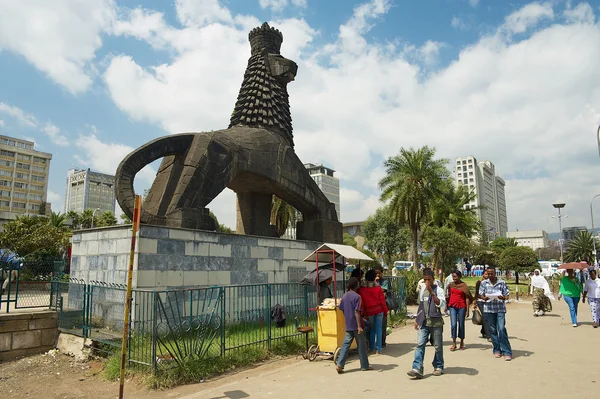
(490, 200)
(23, 179)
(89, 190)
(569, 233)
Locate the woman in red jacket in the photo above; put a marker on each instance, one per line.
(374, 309)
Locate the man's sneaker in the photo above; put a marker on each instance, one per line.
(415, 373)
(438, 372)
(507, 358)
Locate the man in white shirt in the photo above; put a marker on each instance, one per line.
(591, 290)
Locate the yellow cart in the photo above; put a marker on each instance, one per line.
(331, 327)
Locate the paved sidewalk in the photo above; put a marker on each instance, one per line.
(551, 359)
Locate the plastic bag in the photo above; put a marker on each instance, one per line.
(477, 318)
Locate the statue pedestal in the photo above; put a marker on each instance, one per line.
(320, 230)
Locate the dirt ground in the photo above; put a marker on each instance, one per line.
(551, 358)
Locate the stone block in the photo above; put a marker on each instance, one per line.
(205, 236)
(280, 277)
(174, 278)
(146, 278)
(107, 246)
(266, 242)
(219, 278)
(266, 265)
(244, 264)
(177, 234)
(289, 253)
(303, 253)
(196, 248)
(13, 325)
(320, 231)
(240, 251)
(147, 246)
(275, 253)
(259, 252)
(153, 232)
(300, 245)
(219, 250)
(238, 239)
(219, 263)
(26, 339)
(280, 243)
(73, 346)
(170, 247)
(118, 233)
(76, 238)
(46, 322)
(89, 236)
(92, 247)
(122, 245)
(196, 278)
(49, 336)
(5, 342)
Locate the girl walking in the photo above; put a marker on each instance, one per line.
(459, 298)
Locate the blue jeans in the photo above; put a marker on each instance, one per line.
(457, 319)
(572, 302)
(375, 331)
(497, 325)
(362, 349)
(422, 339)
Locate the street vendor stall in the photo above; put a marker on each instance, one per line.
(330, 319)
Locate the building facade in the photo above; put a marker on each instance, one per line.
(490, 201)
(535, 239)
(23, 179)
(89, 190)
(354, 230)
(569, 233)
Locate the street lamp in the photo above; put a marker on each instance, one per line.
(94, 216)
(559, 207)
(592, 215)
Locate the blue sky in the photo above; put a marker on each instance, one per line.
(513, 82)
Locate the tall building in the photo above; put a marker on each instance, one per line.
(89, 190)
(535, 239)
(23, 179)
(569, 233)
(490, 200)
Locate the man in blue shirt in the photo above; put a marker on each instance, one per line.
(494, 292)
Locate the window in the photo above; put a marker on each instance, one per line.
(4, 193)
(24, 176)
(20, 185)
(6, 163)
(471, 180)
(464, 168)
(20, 195)
(35, 187)
(38, 168)
(465, 181)
(37, 178)
(470, 173)
(38, 159)
(7, 153)
(470, 166)
(5, 173)
(23, 166)
(23, 157)
(5, 183)
(19, 205)
(35, 197)
(5, 203)
(34, 207)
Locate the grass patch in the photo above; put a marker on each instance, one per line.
(510, 283)
(395, 320)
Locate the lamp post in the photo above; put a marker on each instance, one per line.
(94, 216)
(560, 241)
(593, 232)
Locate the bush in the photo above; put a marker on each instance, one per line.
(412, 279)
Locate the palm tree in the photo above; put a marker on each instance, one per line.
(581, 248)
(412, 180)
(282, 214)
(57, 220)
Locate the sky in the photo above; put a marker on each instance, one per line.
(513, 82)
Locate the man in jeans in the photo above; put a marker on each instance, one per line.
(429, 323)
(384, 284)
(494, 292)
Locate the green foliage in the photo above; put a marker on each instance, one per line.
(57, 220)
(483, 255)
(221, 228)
(550, 253)
(368, 264)
(349, 240)
(412, 280)
(448, 244)
(106, 219)
(34, 238)
(42, 210)
(282, 215)
(385, 236)
(125, 219)
(501, 243)
(581, 248)
(88, 219)
(448, 209)
(519, 259)
(412, 180)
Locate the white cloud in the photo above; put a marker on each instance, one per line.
(457, 23)
(2, 123)
(279, 5)
(473, 3)
(583, 13)
(523, 104)
(56, 200)
(201, 12)
(54, 133)
(59, 38)
(24, 118)
(527, 17)
(430, 52)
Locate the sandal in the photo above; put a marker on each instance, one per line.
(462, 347)
(453, 348)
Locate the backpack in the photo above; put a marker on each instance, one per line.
(278, 314)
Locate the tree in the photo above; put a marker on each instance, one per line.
(106, 219)
(519, 259)
(482, 255)
(57, 220)
(550, 253)
(87, 219)
(501, 243)
(34, 238)
(581, 249)
(125, 219)
(75, 219)
(349, 240)
(412, 179)
(385, 236)
(448, 245)
(42, 210)
(221, 228)
(282, 214)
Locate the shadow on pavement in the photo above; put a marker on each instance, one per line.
(397, 350)
(232, 395)
(461, 370)
(520, 353)
(376, 367)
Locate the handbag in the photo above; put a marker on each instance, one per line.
(477, 318)
(391, 302)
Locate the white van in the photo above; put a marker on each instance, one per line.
(548, 267)
(403, 265)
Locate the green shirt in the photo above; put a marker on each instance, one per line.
(569, 287)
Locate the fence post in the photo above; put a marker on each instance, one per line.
(154, 329)
(269, 316)
(223, 305)
(305, 287)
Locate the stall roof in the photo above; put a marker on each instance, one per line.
(346, 251)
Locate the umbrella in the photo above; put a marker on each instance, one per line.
(325, 272)
(574, 265)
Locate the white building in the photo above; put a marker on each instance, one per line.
(89, 190)
(535, 239)
(23, 179)
(490, 200)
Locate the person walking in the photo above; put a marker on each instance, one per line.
(385, 285)
(351, 305)
(494, 292)
(429, 323)
(541, 294)
(570, 288)
(591, 290)
(374, 308)
(485, 328)
(458, 299)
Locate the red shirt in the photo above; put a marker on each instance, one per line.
(373, 300)
(457, 298)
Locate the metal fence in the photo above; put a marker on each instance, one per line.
(29, 285)
(170, 327)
